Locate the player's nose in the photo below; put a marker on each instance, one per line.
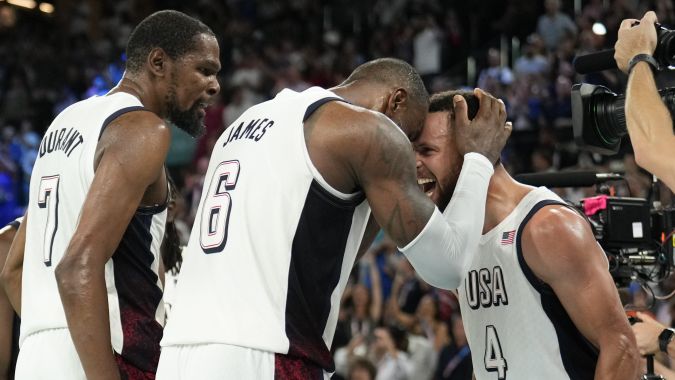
(213, 87)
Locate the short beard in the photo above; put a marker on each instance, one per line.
(444, 201)
(189, 121)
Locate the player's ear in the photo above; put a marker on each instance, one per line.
(398, 100)
(158, 62)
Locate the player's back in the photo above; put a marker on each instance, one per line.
(60, 181)
(272, 242)
(515, 324)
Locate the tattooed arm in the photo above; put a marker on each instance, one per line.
(438, 246)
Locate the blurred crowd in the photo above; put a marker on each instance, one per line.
(391, 324)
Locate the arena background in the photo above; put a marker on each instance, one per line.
(53, 54)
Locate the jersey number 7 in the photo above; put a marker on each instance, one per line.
(217, 205)
(48, 199)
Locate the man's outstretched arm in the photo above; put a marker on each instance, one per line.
(576, 268)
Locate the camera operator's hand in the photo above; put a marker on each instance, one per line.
(487, 132)
(635, 39)
(647, 334)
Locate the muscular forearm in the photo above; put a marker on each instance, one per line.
(618, 360)
(11, 263)
(11, 281)
(84, 297)
(6, 329)
(442, 251)
(650, 125)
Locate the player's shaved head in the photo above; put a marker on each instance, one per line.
(172, 31)
(394, 73)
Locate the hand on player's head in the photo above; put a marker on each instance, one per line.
(635, 39)
(487, 132)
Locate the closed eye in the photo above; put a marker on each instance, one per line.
(207, 72)
(423, 150)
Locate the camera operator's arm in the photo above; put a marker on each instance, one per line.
(649, 122)
(575, 267)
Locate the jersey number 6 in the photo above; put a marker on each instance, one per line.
(215, 214)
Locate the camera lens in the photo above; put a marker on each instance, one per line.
(610, 117)
(599, 118)
(665, 49)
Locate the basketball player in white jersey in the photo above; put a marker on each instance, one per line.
(537, 301)
(8, 320)
(90, 286)
(287, 199)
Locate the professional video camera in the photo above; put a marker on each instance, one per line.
(598, 118)
(637, 238)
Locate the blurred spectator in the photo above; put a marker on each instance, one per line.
(241, 99)
(214, 127)
(496, 78)
(388, 352)
(406, 293)
(554, 25)
(533, 61)
(361, 369)
(427, 49)
(386, 258)
(361, 308)
(454, 362)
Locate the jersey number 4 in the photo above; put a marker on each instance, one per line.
(48, 199)
(216, 208)
(494, 360)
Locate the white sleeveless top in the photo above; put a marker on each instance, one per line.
(515, 324)
(60, 181)
(272, 244)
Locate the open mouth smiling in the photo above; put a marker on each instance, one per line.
(427, 185)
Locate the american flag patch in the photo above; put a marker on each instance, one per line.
(507, 237)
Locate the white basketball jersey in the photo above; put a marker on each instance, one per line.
(60, 181)
(272, 243)
(515, 324)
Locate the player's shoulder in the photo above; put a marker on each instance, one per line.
(362, 127)
(356, 115)
(557, 239)
(139, 124)
(556, 221)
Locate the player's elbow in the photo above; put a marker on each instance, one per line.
(9, 275)
(626, 354)
(6, 277)
(75, 271)
(626, 343)
(66, 275)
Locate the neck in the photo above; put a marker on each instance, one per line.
(137, 86)
(504, 194)
(369, 96)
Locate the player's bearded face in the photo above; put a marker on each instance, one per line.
(190, 120)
